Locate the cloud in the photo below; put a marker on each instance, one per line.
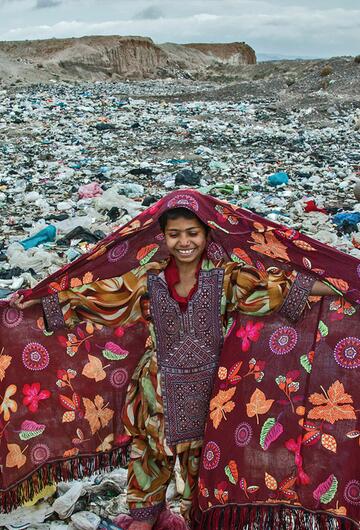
(41, 4)
(271, 26)
(149, 13)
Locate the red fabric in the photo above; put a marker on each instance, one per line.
(172, 278)
(45, 437)
(311, 206)
(167, 520)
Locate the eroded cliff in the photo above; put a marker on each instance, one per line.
(114, 57)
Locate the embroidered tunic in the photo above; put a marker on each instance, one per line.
(168, 397)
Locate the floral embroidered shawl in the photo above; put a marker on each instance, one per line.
(286, 393)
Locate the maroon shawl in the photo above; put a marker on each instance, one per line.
(286, 394)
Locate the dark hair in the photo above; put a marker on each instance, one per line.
(175, 213)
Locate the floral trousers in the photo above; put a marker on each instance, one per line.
(152, 461)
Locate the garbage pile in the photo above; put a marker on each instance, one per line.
(90, 504)
(78, 161)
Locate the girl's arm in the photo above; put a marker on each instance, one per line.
(321, 289)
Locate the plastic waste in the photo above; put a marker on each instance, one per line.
(187, 177)
(14, 284)
(130, 189)
(34, 258)
(4, 293)
(25, 517)
(80, 233)
(216, 165)
(85, 520)
(45, 235)
(106, 524)
(147, 171)
(223, 188)
(277, 179)
(64, 505)
(112, 198)
(347, 220)
(169, 126)
(357, 189)
(89, 191)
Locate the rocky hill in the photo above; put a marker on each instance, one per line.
(99, 58)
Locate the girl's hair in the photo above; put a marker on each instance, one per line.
(175, 213)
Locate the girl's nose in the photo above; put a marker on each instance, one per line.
(184, 240)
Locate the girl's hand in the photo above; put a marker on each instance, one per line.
(320, 289)
(16, 301)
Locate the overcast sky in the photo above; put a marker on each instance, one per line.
(311, 27)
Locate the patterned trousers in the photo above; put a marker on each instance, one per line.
(152, 461)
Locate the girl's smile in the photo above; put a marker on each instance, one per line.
(185, 239)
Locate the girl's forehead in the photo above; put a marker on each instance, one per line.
(182, 224)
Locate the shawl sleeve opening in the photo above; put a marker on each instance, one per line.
(110, 302)
(297, 298)
(259, 293)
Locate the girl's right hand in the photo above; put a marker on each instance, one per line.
(16, 301)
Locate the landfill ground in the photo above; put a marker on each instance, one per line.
(79, 160)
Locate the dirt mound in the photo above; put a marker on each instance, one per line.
(114, 57)
(235, 53)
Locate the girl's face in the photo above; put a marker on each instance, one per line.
(185, 239)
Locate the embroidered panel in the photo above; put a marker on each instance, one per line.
(188, 346)
(52, 311)
(148, 514)
(297, 297)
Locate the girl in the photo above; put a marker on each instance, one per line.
(186, 301)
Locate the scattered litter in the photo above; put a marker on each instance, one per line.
(88, 191)
(73, 172)
(277, 179)
(44, 236)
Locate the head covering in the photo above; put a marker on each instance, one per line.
(54, 391)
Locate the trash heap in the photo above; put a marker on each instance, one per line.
(88, 504)
(78, 161)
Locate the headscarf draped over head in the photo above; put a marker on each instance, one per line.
(62, 391)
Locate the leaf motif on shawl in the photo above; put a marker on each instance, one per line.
(96, 413)
(266, 243)
(258, 404)
(130, 228)
(231, 471)
(270, 482)
(339, 284)
(78, 282)
(15, 456)
(333, 405)
(94, 369)
(145, 254)
(106, 444)
(326, 491)
(303, 245)
(5, 361)
(8, 404)
(271, 430)
(220, 404)
(98, 251)
(240, 256)
(329, 442)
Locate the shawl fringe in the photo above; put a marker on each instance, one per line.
(265, 517)
(72, 469)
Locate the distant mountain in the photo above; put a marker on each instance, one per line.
(262, 57)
